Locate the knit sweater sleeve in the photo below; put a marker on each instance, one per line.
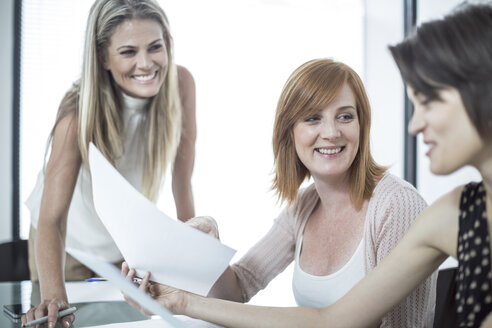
(275, 251)
(268, 258)
(395, 205)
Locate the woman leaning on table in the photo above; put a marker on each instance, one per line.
(345, 223)
(138, 107)
(447, 67)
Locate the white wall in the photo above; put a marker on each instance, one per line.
(384, 26)
(6, 85)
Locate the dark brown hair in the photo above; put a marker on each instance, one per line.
(456, 52)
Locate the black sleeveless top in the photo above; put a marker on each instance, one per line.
(474, 278)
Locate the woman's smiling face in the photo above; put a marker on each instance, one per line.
(328, 141)
(446, 128)
(137, 57)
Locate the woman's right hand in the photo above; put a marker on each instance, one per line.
(205, 224)
(60, 178)
(51, 309)
(171, 298)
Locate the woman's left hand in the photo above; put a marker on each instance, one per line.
(206, 224)
(171, 298)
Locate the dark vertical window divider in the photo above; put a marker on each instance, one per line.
(16, 121)
(410, 142)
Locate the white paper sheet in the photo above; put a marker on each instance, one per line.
(176, 254)
(86, 292)
(110, 272)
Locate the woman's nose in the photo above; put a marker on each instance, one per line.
(330, 130)
(417, 123)
(144, 61)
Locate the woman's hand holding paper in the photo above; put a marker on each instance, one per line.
(205, 224)
(171, 298)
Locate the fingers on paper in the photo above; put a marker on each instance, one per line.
(143, 284)
(206, 224)
(124, 268)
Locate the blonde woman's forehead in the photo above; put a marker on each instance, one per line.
(135, 32)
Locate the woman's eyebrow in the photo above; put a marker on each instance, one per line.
(347, 107)
(125, 46)
(156, 40)
(134, 47)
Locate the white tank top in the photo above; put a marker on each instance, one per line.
(321, 291)
(85, 231)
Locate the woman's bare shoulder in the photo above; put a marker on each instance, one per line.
(448, 204)
(69, 102)
(187, 93)
(439, 222)
(185, 78)
(67, 125)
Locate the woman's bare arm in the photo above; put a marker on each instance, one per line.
(60, 178)
(185, 156)
(428, 242)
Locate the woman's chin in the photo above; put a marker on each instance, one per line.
(442, 169)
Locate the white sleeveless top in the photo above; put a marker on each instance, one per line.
(322, 291)
(85, 231)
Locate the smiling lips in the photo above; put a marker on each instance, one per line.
(144, 78)
(330, 151)
(431, 146)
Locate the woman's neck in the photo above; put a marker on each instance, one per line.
(333, 192)
(485, 169)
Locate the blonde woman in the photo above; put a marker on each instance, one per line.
(138, 107)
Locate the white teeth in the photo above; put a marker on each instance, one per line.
(144, 78)
(330, 151)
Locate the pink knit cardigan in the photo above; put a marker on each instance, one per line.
(391, 210)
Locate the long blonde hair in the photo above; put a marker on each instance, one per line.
(98, 98)
(311, 87)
